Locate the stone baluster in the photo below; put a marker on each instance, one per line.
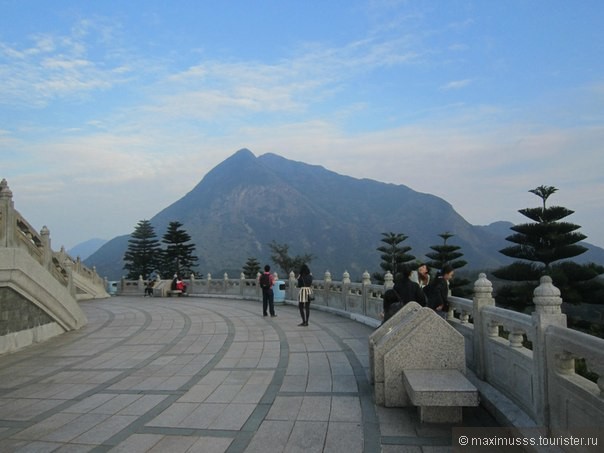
(326, 287)
(225, 283)
(365, 291)
(46, 250)
(191, 283)
(70, 285)
(141, 283)
(292, 286)
(483, 297)
(388, 281)
(7, 216)
(548, 312)
(345, 289)
(241, 284)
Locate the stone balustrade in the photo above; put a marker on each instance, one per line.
(522, 361)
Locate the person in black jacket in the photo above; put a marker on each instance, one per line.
(405, 290)
(438, 290)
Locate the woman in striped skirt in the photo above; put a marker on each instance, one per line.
(304, 293)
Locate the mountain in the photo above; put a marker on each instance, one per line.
(86, 248)
(246, 202)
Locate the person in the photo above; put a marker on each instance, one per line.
(304, 293)
(405, 290)
(423, 275)
(438, 290)
(149, 288)
(268, 296)
(181, 285)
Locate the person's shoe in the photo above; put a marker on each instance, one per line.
(302, 324)
(273, 316)
(305, 324)
(264, 314)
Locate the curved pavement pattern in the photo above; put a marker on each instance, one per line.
(203, 375)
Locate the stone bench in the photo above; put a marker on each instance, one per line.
(175, 292)
(440, 394)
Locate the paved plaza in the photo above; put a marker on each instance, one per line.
(195, 374)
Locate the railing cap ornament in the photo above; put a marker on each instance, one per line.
(366, 278)
(5, 191)
(483, 285)
(345, 277)
(547, 297)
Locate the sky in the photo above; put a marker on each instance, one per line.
(111, 111)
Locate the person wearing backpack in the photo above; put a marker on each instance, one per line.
(268, 297)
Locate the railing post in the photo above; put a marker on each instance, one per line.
(7, 216)
(345, 289)
(225, 283)
(192, 283)
(70, 284)
(365, 291)
(292, 286)
(548, 312)
(388, 281)
(483, 297)
(241, 284)
(326, 287)
(46, 250)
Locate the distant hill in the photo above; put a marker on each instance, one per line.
(246, 202)
(86, 248)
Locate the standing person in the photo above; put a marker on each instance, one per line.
(268, 296)
(438, 290)
(304, 293)
(409, 290)
(405, 290)
(423, 275)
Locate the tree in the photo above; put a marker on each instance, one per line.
(143, 255)
(251, 268)
(543, 243)
(449, 254)
(280, 256)
(178, 256)
(393, 255)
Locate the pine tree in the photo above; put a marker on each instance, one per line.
(143, 254)
(178, 256)
(251, 268)
(448, 254)
(393, 255)
(543, 243)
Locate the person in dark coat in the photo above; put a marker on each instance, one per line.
(404, 291)
(438, 290)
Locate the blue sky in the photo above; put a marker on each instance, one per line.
(110, 111)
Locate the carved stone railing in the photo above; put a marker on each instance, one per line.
(529, 359)
(16, 233)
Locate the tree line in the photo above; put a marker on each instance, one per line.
(543, 246)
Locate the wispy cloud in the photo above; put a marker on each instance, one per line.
(456, 84)
(54, 67)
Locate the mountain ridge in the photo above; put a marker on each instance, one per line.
(245, 202)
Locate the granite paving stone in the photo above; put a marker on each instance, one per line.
(202, 374)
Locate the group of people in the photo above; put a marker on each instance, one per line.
(305, 295)
(418, 286)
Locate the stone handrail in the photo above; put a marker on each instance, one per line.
(529, 359)
(17, 233)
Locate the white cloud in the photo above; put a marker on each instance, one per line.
(456, 84)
